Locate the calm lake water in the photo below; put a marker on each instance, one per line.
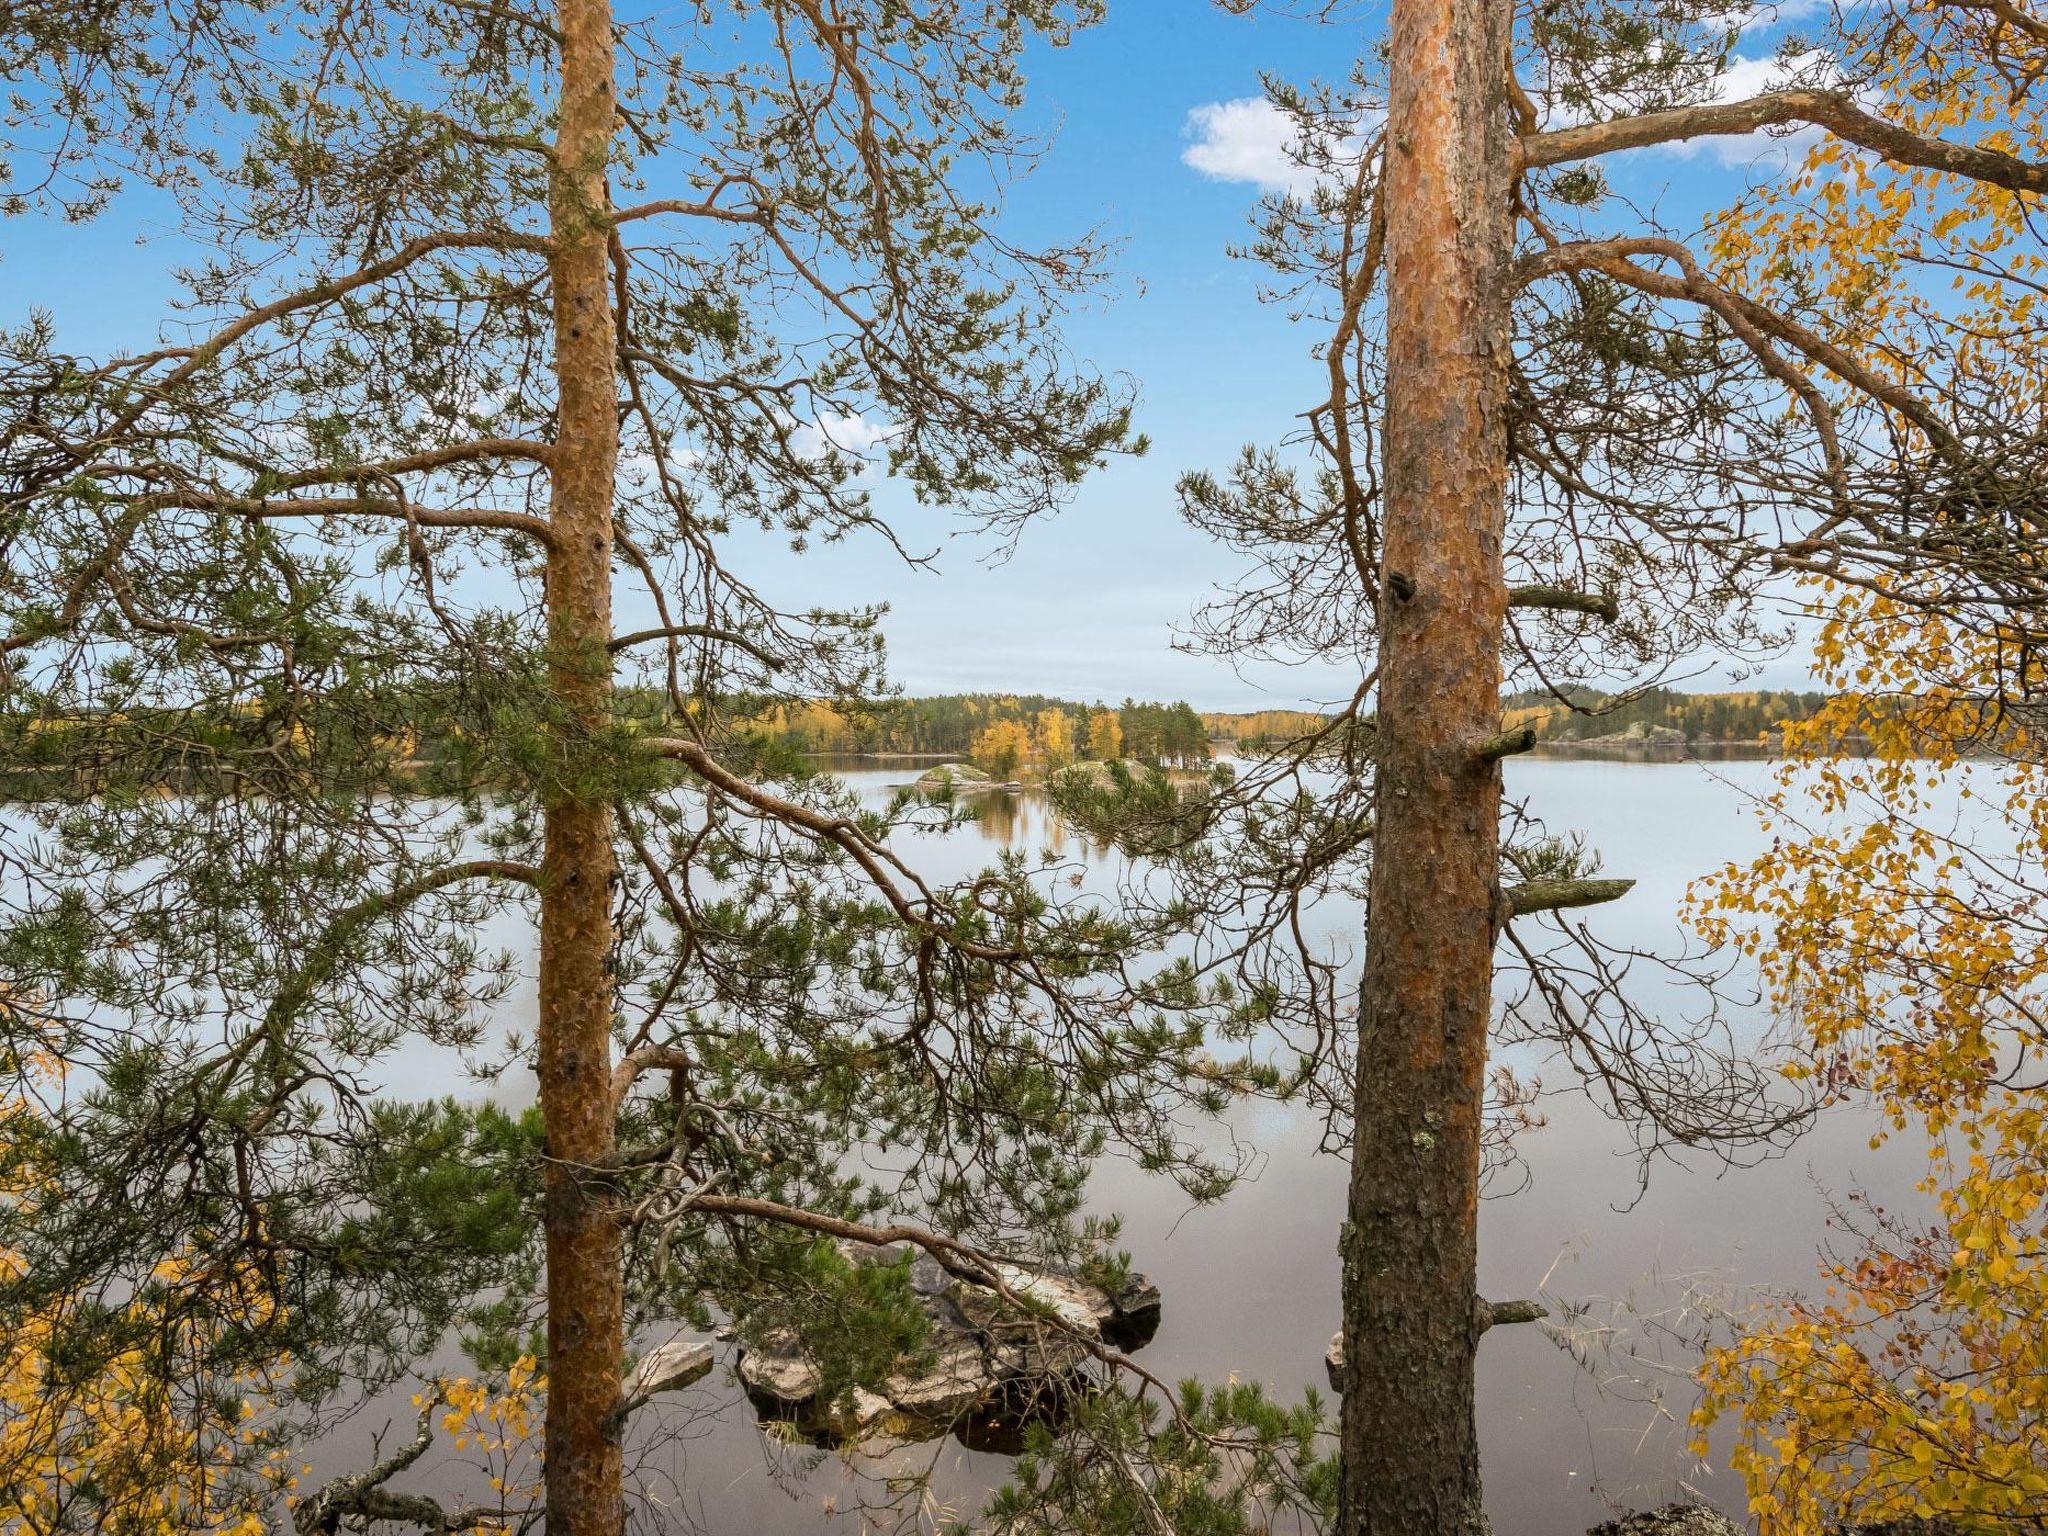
(1251, 1284)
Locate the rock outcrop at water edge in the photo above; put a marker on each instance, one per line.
(1697, 1520)
(989, 1367)
(1672, 1520)
(954, 776)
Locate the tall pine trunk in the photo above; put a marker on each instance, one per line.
(1411, 1460)
(585, 1304)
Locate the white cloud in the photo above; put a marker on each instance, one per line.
(853, 435)
(1247, 139)
(1762, 15)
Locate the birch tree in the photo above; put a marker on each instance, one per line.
(1897, 913)
(1897, 918)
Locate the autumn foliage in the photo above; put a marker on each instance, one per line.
(1899, 917)
(1899, 920)
(148, 1443)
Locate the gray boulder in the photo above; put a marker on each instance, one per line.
(859, 1415)
(1030, 1353)
(779, 1371)
(1136, 1296)
(666, 1368)
(947, 776)
(956, 1382)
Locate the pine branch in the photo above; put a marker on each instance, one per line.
(1564, 599)
(1833, 110)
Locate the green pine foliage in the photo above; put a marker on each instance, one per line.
(1223, 1460)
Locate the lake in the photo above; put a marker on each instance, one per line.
(1251, 1284)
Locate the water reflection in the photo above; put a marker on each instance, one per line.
(1004, 818)
(1250, 1284)
(1575, 1420)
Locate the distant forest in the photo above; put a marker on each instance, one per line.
(960, 724)
(1697, 717)
(1262, 727)
(1657, 714)
(1002, 732)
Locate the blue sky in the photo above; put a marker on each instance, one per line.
(1162, 141)
(1089, 605)
(1159, 143)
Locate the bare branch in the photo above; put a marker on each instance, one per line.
(362, 1496)
(1491, 1314)
(1748, 318)
(265, 508)
(881, 867)
(731, 637)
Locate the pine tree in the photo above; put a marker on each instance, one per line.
(1551, 441)
(316, 609)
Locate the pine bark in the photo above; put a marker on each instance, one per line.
(585, 1302)
(1410, 1246)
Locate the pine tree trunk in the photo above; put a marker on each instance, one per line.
(1411, 1460)
(585, 1305)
